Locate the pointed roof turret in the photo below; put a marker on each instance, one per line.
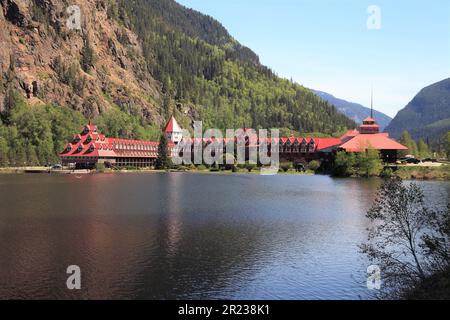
(172, 125)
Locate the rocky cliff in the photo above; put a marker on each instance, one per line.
(48, 59)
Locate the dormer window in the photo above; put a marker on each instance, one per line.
(88, 139)
(80, 148)
(91, 148)
(69, 148)
(303, 146)
(312, 146)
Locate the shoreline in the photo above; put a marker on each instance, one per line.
(419, 173)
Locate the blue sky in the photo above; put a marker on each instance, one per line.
(326, 44)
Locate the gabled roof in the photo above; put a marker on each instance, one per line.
(172, 125)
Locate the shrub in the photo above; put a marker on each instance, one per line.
(286, 166)
(314, 165)
(100, 167)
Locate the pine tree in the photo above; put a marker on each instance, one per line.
(447, 144)
(423, 149)
(369, 163)
(4, 150)
(87, 55)
(163, 161)
(407, 141)
(32, 159)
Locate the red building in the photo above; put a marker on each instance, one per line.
(369, 137)
(90, 147)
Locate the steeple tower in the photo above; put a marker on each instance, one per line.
(371, 104)
(173, 130)
(369, 125)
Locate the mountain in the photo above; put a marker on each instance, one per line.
(427, 116)
(354, 111)
(131, 65)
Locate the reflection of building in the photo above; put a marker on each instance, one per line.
(90, 147)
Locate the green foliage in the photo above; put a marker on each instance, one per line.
(408, 142)
(163, 161)
(120, 124)
(4, 151)
(199, 63)
(408, 240)
(87, 55)
(427, 116)
(314, 165)
(424, 173)
(70, 75)
(286, 166)
(423, 149)
(364, 164)
(100, 167)
(344, 164)
(35, 136)
(369, 163)
(250, 167)
(447, 144)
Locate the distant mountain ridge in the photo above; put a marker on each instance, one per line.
(354, 111)
(427, 116)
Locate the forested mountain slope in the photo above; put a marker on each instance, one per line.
(427, 116)
(131, 65)
(354, 111)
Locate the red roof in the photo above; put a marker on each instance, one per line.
(325, 143)
(172, 125)
(378, 141)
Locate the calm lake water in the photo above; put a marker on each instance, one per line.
(186, 236)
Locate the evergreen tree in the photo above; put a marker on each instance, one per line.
(408, 142)
(87, 55)
(163, 161)
(447, 144)
(4, 151)
(344, 164)
(32, 159)
(423, 149)
(369, 163)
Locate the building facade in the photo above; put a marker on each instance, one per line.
(89, 147)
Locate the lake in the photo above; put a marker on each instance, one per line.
(187, 236)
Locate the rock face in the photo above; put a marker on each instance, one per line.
(41, 58)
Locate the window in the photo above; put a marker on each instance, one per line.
(303, 146)
(312, 146)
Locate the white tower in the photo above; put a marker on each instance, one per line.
(173, 131)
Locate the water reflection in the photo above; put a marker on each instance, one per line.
(178, 236)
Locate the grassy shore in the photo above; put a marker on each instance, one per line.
(404, 172)
(424, 173)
